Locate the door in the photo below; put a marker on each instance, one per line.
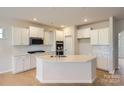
(94, 37)
(68, 45)
(25, 37)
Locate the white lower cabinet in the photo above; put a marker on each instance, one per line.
(17, 64)
(102, 62)
(26, 64)
(23, 63)
(20, 63)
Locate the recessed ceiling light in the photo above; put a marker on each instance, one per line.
(35, 19)
(62, 26)
(85, 20)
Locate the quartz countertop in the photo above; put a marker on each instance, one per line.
(69, 58)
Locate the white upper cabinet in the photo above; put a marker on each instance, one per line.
(100, 37)
(20, 36)
(25, 37)
(16, 36)
(94, 37)
(83, 33)
(48, 37)
(59, 35)
(36, 32)
(104, 38)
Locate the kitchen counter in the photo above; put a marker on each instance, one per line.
(69, 58)
(70, 69)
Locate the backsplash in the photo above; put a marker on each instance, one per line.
(21, 50)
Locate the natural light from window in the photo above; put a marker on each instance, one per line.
(1, 33)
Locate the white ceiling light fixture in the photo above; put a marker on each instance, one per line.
(35, 19)
(85, 20)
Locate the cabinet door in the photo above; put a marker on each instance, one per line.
(83, 33)
(16, 36)
(79, 34)
(26, 62)
(36, 32)
(17, 64)
(32, 61)
(102, 62)
(33, 31)
(104, 36)
(59, 36)
(86, 33)
(40, 32)
(25, 37)
(94, 37)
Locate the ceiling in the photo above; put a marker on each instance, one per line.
(58, 16)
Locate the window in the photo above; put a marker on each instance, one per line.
(1, 33)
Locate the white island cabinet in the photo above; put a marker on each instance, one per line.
(70, 69)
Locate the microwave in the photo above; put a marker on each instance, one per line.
(36, 41)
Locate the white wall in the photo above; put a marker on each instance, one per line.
(7, 50)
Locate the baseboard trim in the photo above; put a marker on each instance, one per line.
(6, 71)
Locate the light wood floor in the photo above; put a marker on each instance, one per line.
(28, 79)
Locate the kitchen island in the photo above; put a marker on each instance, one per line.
(69, 69)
